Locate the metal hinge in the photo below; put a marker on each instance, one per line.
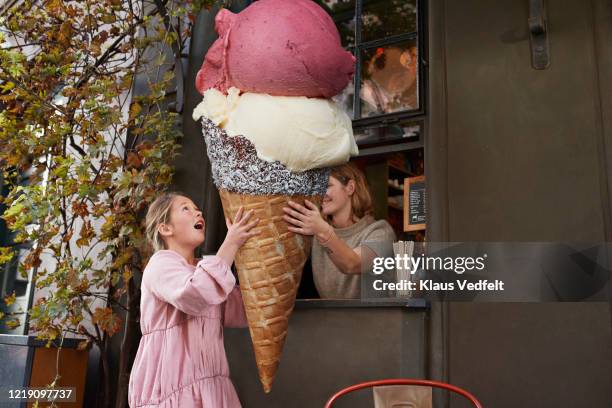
(538, 34)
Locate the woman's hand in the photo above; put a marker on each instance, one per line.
(305, 220)
(241, 229)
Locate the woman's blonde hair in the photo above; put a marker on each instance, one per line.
(361, 200)
(159, 213)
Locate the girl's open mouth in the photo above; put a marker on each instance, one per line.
(199, 225)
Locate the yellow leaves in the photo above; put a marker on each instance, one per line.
(133, 160)
(49, 333)
(75, 320)
(54, 7)
(109, 17)
(15, 211)
(107, 320)
(135, 109)
(33, 259)
(65, 33)
(123, 258)
(72, 278)
(86, 234)
(72, 11)
(9, 300)
(95, 49)
(13, 324)
(6, 254)
(107, 227)
(68, 236)
(8, 86)
(70, 92)
(127, 274)
(80, 209)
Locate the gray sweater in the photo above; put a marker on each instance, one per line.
(330, 282)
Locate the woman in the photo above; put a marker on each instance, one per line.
(340, 232)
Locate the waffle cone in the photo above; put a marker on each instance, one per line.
(269, 268)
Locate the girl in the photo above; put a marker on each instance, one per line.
(184, 303)
(339, 246)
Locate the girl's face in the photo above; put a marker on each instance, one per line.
(186, 225)
(337, 197)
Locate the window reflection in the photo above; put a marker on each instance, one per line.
(385, 18)
(381, 133)
(345, 99)
(347, 32)
(343, 14)
(389, 79)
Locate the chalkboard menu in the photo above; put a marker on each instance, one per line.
(415, 203)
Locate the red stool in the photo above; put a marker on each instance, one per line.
(400, 381)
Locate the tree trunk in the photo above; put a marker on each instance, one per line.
(129, 345)
(104, 389)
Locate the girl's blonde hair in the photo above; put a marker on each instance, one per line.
(361, 200)
(159, 213)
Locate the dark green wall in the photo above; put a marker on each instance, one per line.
(329, 348)
(516, 154)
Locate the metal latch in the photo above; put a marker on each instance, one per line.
(538, 34)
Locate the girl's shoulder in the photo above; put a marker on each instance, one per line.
(164, 258)
(165, 254)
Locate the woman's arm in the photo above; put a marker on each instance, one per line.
(308, 221)
(346, 259)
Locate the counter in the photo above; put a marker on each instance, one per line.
(332, 344)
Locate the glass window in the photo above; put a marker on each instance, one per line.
(389, 79)
(343, 14)
(384, 36)
(386, 18)
(405, 131)
(12, 279)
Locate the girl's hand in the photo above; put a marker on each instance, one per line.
(305, 220)
(241, 229)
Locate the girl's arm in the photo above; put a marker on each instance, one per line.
(238, 233)
(170, 278)
(233, 315)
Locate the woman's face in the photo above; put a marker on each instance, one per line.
(186, 225)
(337, 197)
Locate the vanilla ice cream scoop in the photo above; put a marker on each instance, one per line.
(302, 133)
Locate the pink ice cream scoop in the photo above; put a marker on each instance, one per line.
(277, 47)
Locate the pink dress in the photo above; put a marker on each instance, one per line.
(181, 360)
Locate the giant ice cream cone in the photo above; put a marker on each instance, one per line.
(269, 269)
(270, 264)
(272, 133)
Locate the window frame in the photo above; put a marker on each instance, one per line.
(420, 36)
